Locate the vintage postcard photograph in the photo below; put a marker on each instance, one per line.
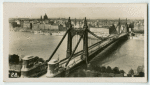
(45, 42)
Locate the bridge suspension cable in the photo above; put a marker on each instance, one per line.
(94, 35)
(73, 51)
(90, 42)
(76, 40)
(58, 45)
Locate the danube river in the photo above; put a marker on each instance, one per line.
(130, 54)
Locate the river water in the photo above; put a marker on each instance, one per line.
(127, 55)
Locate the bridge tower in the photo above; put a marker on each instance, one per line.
(69, 41)
(82, 32)
(126, 26)
(119, 26)
(71, 32)
(85, 40)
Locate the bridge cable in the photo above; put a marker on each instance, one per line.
(86, 33)
(96, 40)
(94, 35)
(90, 42)
(73, 42)
(73, 51)
(58, 45)
(76, 40)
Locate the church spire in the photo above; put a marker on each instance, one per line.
(45, 17)
(75, 21)
(41, 17)
(119, 22)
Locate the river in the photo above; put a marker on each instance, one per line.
(130, 54)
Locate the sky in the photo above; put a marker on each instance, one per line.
(91, 11)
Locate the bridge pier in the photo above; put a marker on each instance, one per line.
(52, 68)
(85, 42)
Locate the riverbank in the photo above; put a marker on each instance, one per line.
(137, 36)
(107, 71)
(42, 32)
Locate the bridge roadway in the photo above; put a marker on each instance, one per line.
(97, 47)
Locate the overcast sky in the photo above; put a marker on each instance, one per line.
(91, 11)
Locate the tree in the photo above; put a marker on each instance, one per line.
(96, 68)
(140, 69)
(14, 58)
(81, 73)
(122, 71)
(103, 69)
(116, 70)
(108, 69)
(131, 72)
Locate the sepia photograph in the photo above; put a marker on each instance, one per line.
(80, 42)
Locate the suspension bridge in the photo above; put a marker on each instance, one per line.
(74, 57)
